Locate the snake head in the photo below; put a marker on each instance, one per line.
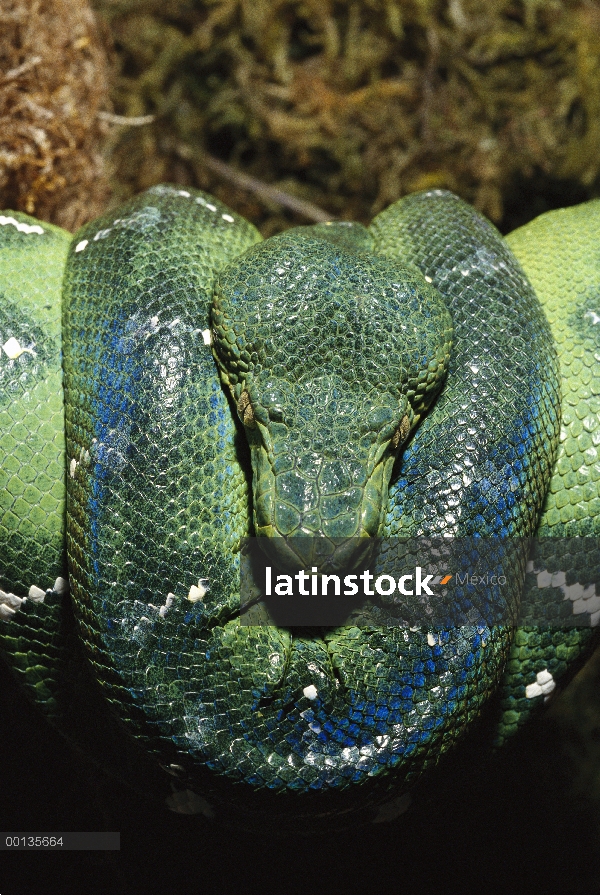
(331, 356)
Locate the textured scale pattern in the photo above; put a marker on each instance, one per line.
(32, 442)
(559, 252)
(487, 439)
(345, 324)
(32, 452)
(331, 343)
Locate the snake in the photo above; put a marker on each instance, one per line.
(174, 390)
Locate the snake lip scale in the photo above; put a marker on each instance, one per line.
(172, 385)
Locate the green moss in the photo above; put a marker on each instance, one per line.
(351, 104)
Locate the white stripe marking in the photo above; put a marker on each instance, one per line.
(21, 227)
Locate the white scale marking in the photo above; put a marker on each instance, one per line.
(310, 692)
(167, 605)
(10, 603)
(207, 336)
(584, 599)
(543, 685)
(198, 592)
(81, 245)
(21, 227)
(36, 594)
(13, 349)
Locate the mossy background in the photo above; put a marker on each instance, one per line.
(342, 104)
(335, 108)
(349, 104)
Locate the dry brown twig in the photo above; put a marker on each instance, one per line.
(265, 191)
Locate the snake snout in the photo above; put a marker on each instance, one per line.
(318, 510)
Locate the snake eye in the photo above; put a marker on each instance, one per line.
(276, 414)
(245, 410)
(401, 433)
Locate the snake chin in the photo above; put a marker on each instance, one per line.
(322, 514)
(326, 555)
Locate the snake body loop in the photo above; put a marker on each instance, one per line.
(335, 383)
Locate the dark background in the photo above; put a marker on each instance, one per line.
(517, 824)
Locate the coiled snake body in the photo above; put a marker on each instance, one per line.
(337, 382)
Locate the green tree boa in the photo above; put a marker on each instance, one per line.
(337, 382)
